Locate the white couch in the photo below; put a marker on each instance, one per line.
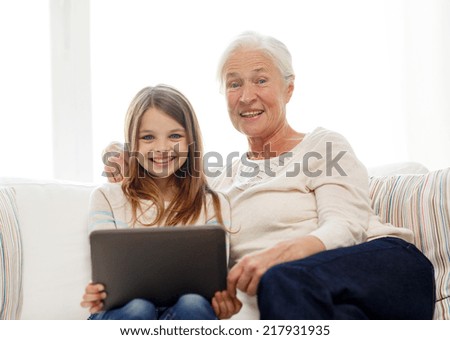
(44, 247)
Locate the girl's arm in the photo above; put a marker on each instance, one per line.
(224, 305)
(100, 217)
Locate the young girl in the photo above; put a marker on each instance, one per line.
(165, 186)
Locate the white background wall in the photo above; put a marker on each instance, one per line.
(376, 71)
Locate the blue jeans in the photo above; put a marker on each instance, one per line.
(386, 278)
(188, 307)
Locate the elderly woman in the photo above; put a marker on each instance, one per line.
(307, 243)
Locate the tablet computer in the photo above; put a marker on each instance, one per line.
(158, 264)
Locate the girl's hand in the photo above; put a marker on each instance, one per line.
(224, 305)
(93, 297)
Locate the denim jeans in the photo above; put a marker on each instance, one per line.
(188, 307)
(386, 278)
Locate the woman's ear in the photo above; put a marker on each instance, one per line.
(290, 89)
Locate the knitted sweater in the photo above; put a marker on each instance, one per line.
(110, 209)
(319, 188)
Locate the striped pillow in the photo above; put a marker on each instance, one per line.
(10, 257)
(421, 203)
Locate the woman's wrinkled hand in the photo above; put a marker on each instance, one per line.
(247, 273)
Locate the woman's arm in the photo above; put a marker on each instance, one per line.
(341, 192)
(114, 161)
(340, 184)
(246, 274)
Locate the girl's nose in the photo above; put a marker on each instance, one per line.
(162, 146)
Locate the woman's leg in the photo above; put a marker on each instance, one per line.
(136, 309)
(386, 278)
(190, 307)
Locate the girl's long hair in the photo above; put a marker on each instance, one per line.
(190, 180)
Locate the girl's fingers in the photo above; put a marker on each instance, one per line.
(97, 308)
(228, 302)
(222, 306)
(215, 306)
(237, 305)
(93, 288)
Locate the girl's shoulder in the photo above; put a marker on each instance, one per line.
(110, 191)
(109, 188)
(223, 198)
(225, 209)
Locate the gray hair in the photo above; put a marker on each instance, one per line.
(268, 45)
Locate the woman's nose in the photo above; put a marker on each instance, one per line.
(248, 94)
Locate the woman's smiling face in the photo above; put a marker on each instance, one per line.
(256, 93)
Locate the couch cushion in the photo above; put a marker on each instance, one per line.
(56, 265)
(422, 204)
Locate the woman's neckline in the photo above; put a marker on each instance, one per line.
(283, 154)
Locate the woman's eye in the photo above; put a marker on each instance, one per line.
(261, 81)
(233, 85)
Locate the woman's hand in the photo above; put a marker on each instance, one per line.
(115, 163)
(246, 274)
(93, 297)
(224, 305)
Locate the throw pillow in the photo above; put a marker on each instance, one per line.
(10, 257)
(422, 204)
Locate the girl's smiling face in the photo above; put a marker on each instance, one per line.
(162, 144)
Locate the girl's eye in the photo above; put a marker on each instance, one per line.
(147, 137)
(175, 136)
